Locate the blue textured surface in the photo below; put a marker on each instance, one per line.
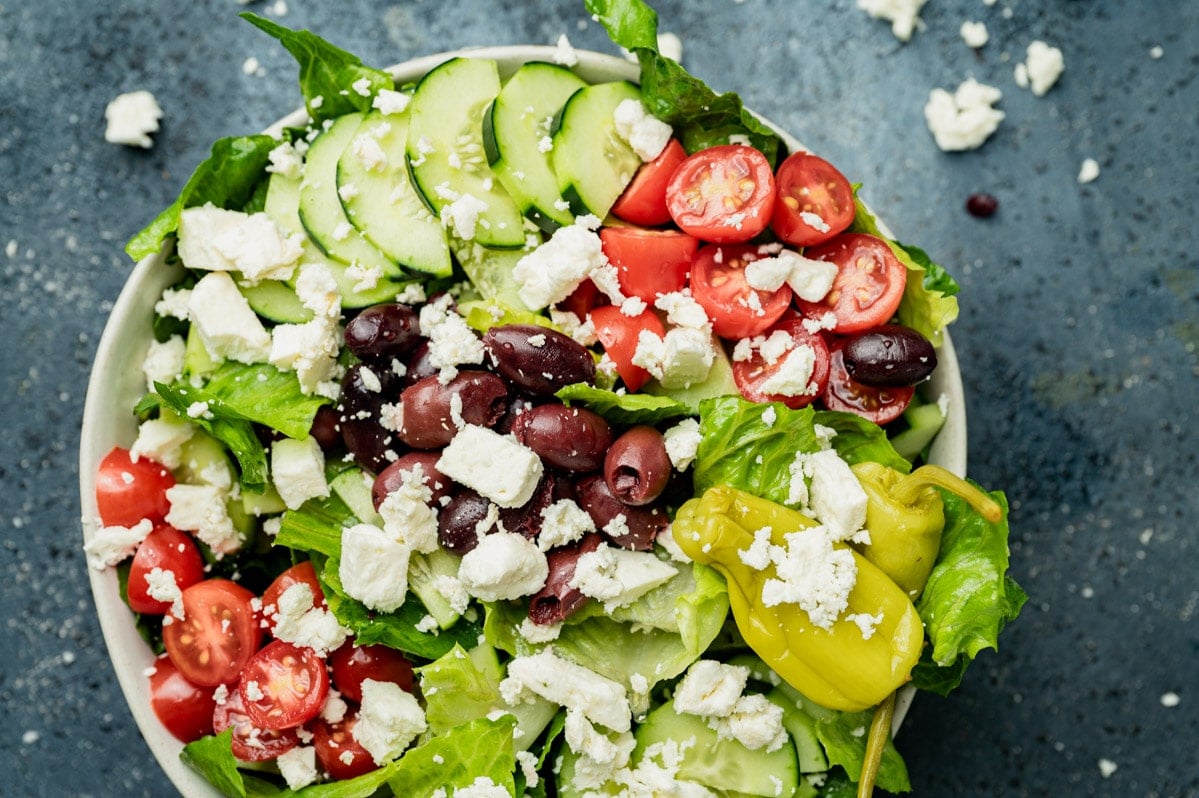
(1078, 333)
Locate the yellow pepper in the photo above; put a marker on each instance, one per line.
(840, 667)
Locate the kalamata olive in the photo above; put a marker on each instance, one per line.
(889, 355)
(637, 527)
(526, 519)
(325, 428)
(459, 522)
(382, 332)
(637, 466)
(419, 365)
(559, 599)
(390, 478)
(981, 205)
(570, 438)
(433, 411)
(516, 407)
(365, 390)
(537, 359)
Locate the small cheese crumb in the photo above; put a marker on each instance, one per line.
(1089, 171)
(974, 34)
(904, 15)
(131, 118)
(964, 119)
(1107, 767)
(1041, 68)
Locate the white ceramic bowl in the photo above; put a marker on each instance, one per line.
(117, 383)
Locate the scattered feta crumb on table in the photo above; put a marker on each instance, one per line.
(974, 34)
(964, 119)
(1041, 68)
(131, 118)
(1089, 171)
(904, 15)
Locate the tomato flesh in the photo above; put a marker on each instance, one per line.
(171, 550)
(868, 287)
(880, 404)
(735, 308)
(618, 333)
(644, 201)
(127, 492)
(722, 194)
(649, 262)
(283, 686)
(300, 573)
(250, 743)
(339, 754)
(813, 203)
(351, 665)
(218, 634)
(757, 376)
(182, 707)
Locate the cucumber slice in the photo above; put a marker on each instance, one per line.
(490, 270)
(423, 570)
(382, 203)
(320, 206)
(196, 360)
(592, 162)
(275, 300)
(802, 728)
(520, 120)
(445, 148)
(353, 486)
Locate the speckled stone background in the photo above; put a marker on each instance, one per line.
(1078, 333)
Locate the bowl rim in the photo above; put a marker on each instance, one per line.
(116, 381)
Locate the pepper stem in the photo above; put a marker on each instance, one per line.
(880, 733)
(907, 489)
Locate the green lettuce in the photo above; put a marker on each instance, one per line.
(479, 749)
(859, 440)
(843, 736)
(623, 408)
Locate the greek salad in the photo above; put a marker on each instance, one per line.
(511, 434)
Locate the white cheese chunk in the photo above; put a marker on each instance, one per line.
(300, 622)
(645, 133)
(904, 15)
(374, 567)
(215, 239)
(710, 688)
(389, 719)
(110, 545)
(549, 273)
(813, 574)
(495, 466)
(836, 498)
(503, 566)
(618, 577)
(164, 361)
(201, 509)
(567, 684)
(407, 514)
(1040, 70)
(974, 34)
(965, 119)
(298, 766)
(161, 586)
(226, 324)
(563, 522)
(452, 343)
(161, 440)
(680, 359)
(1089, 171)
(682, 443)
(131, 118)
(298, 470)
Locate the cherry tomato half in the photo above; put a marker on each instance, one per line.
(300, 573)
(352, 665)
(814, 201)
(644, 201)
(218, 634)
(649, 262)
(182, 707)
(171, 550)
(582, 299)
(339, 754)
(880, 404)
(127, 492)
(736, 309)
(756, 377)
(868, 286)
(283, 686)
(618, 333)
(722, 194)
(250, 743)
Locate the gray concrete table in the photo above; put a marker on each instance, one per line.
(1078, 332)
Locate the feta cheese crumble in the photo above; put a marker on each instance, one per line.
(389, 719)
(1089, 171)
(374, 567)
(1041, 68)
(131, 118)
(974, 34)
(964, 119)
(503, 566)
(904, 15)
(496, 466)
(645, 133)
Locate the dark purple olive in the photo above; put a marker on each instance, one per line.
(637, 467)
(981, 205)
(516, 408)
(325, 428)
(526, 519)
(364, 393)
(558, 599)
(889, 355)
(382, 332)
(640, 526)
(433, 411)
(458, 523)
(390, 478)
(419, 365)
(537, 359)
(570, 438)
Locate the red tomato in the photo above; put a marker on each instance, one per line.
(127, 492)
(171, 550)
(283, 686)
(250, 743)
(751, 375)
(182, 707)
(718, 284)
(618, 333)
(880, 404)
(723, 194)
(339, 754)
(868, 285)
(299, 573)
(218, 634)
(352, 665)
(644, 201)
(814, 201)
(649, 262)
(582, 299)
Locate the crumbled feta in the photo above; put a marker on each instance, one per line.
(219, 240)
(453, 591)
(682, 310)
(161, 440)
(481, 787)
(552, 271)
(539, 633)
(161, 586)
(202, 509)
(461, 215)
(974, 34)
(904, 15)
(452, 342)
(682, 443)
(298, 766)
(710, 688)
(131, 118)
(496, 466)
(794, 375)
(756, 722)
(164, 361)
(564, 52)
(1089, 171)
(174, 303)
(865, 622)
(965, 119)
(407, 512)
(644, 132)
(227, 326)
(287, 160)
(374, 567)
(111, 544)
(563, 522)
(1041, 68)
(310, 350)
(567, 684)
(809, 279)
(682, 358)
(389, 102)
(836, 498)
(670, 46)
(813, 574)
(299, 621)
(618, 577)
(389, 719)
(298, 470)
(503, 566)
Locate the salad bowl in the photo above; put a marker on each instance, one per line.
(117, 382)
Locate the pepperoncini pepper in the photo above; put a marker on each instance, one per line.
(841, 667)
(905, 518)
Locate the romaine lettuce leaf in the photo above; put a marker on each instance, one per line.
(263, 393)
(858, 440)
(479, 749)
(623, 408)
(843, 735)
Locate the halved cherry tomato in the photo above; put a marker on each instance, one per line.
(618, 333)
(868, 286)
(644, 201)
(736, 309)
(879, 404)
(283, 686)
(582, 299)
(339, 754)
(722, 194)
(649, 262)
(171, 550)
(352, 665)
(813, 203)
(304, 573)
(127, 492)
(182, 707)
(218, 634)
(751, 375)
(250, 743)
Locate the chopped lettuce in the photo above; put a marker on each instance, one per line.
(479, 749)
(623, 408)
(859, 440)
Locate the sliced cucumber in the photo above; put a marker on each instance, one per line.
(516, 132)
(353, 486)
(275, 300)
(490, 270)
(592, 162)
(445, 148)
(802, 728)
(196, 360)
(382, 203)
(423, 570)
